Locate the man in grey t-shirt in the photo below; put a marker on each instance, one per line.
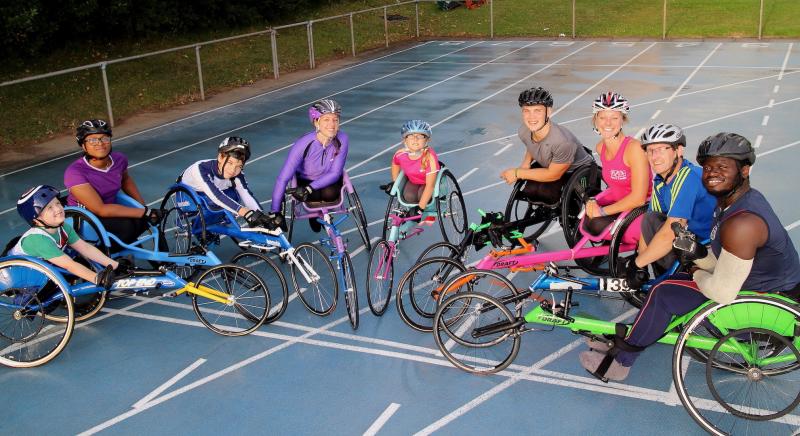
(552, 151)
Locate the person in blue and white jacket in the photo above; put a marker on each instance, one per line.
(222, 183)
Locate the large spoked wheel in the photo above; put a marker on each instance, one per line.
(520, 208)
(391, 207)
(420, 289)
(748, 381)
(441, 249)
(246, 305)
(380, 277)
(29, 292)
(490, 283)
(183, 226)
(316, 284)
(616, 259)
(476, 333)
(584, 183)
(450, 208)
(350, 290)
(85, 306)
(359, 216)
(272, 277)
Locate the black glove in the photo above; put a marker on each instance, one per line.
(686, 245)
(124, 266)
(255, 218)
(414, 211)
(300, 193)
(636, 276)
(153, 216)
(387, 188)
(105, 278)
(275, 220)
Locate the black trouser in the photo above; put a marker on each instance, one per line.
(327, 194)
(544, 192)
(596, 225)
(127, 230)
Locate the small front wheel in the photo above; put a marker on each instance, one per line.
(476, 332)
(350, 290)
(269, 273)
(380, 277)
(314, 279)
(420, 290)
(246, 300)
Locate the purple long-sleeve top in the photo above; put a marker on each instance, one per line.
(322, 165)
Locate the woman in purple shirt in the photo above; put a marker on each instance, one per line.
(95, 178)
(316, 159)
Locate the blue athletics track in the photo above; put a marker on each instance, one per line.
(146, 366)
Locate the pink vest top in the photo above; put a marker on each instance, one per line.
(617, 175)
(412, 168)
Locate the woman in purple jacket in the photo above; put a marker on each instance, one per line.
(316, 160)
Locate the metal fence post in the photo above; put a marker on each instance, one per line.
(274, 43)
(352, 35)
(199, 71)
(416, 13)
(386, 25)
(664, 22)
(491, 18)
(310, 34)
(573, 19)
(760, 19)
(108, 94)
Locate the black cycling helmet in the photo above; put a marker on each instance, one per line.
(663, 134)
(91, 127)
(729, 145)
(235, 146)
(535, 96)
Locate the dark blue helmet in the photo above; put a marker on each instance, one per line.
(34, 200)
(730, 145)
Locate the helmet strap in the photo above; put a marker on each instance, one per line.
(41, 223)
(672, 169)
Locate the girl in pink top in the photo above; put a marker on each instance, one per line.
(625, 167)
(418, 162)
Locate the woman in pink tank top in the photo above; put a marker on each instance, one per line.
(625, 167)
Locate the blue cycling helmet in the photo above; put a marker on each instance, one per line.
(415, 126)
(34, 200)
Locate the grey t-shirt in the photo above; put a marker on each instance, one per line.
(559, 146)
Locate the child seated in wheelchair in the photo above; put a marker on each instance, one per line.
(419, 164)
(49, 236)
(625, 167)
(222, 184)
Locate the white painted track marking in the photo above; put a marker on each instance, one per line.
(381, 421)
(149, 397)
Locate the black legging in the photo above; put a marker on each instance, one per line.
(127, 230)
(328, 194)
(544, 192)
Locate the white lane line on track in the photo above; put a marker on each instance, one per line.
(465, 175)
(785, 60)
(791, 100)
(674, 94)
(771, 102)
(502, 150)
(759, 138)
(133, 412)
(358, 250)
(437, 425)
(655, 115)
(149, 397)
(381, 421)
(793, 225)
(122, 138)
(775, 89)
(783, 147)
(479, 101)
(765, 120)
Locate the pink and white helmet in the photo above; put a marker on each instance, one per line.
(611, 101)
